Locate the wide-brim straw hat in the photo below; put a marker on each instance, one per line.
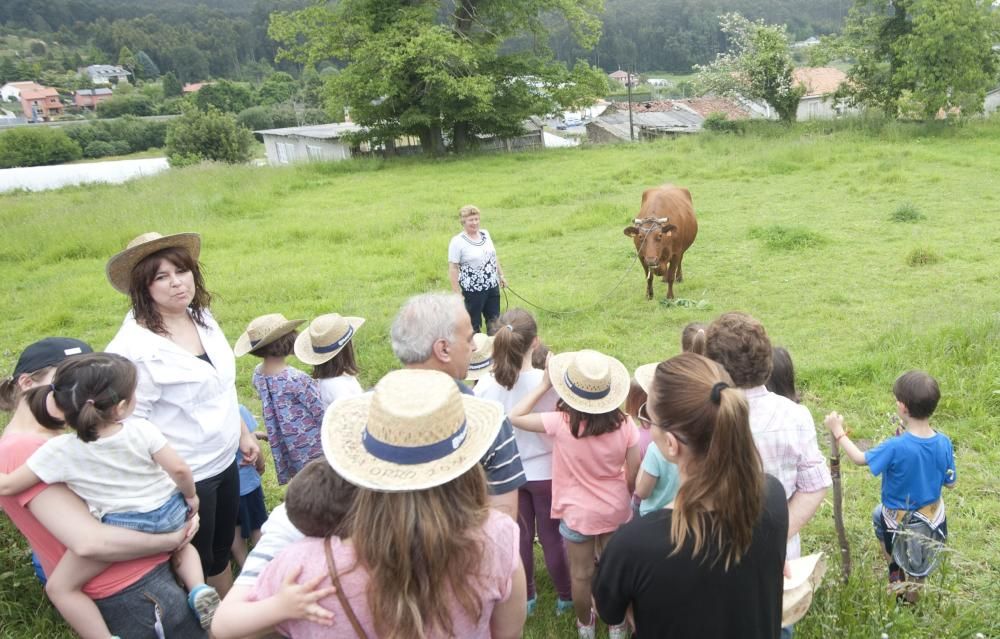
(413, 432)
(119, 267)
(326, 336)
(262, 331)
(482, 358)
(589, 381)
(644, 375)
(806, 574)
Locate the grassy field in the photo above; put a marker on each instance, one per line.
(866, 249)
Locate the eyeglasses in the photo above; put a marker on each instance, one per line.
(646, 422)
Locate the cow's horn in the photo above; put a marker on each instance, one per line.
(637, 221)
(662, 220)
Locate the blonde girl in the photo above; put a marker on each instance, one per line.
(594, 461)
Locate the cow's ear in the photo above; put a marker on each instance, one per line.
(631, 231)
(669, 229)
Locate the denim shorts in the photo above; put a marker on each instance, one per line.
(155, 600)
(571, 535)
(167, 518)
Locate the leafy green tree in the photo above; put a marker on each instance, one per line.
(207, 135)
(188, 63)
(429, 68)
(171, 85)
(35, 146)
(914, 57)
(119, 105)
(145, 67)
(127, 59)
(277, 88)
(226, 96)
(757, 66)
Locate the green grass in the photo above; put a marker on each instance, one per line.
(793, 228)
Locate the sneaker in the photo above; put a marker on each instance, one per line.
(204, 601)
(531, 605)
(619, 631)
(562, 605)
(588, 631)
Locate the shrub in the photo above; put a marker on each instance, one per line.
(230, 97)
(256, 118)
(98, 149)
(718, 121)
(906, 212)
(35, 146)
(922, 257)
(127, 134)
(134, 104)
(209, 135)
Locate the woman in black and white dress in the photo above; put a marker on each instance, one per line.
(474, 269)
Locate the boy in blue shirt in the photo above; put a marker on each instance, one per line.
(914, 466)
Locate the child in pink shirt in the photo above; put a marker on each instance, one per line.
(595, 458)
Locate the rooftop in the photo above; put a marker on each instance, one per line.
(317, 131)
(818, 80)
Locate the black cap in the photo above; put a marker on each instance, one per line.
(48, 352)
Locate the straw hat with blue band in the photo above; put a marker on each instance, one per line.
(482, 358)
(262, 331)
(413, 432)
(326, 336)
(589, 381)
(119, 267)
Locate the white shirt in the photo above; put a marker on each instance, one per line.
(785, 435)
(114, 474)
(476, 260)
(535, 448)
(277, 533)
(334, 388)
(192, 402)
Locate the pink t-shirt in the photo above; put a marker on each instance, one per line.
(500, 561)
(589, 489)
(15, 448)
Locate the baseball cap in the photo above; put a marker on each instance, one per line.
(48, 352)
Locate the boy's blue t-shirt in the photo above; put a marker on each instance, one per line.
(913, 469)
(667, 480)
(249, 479)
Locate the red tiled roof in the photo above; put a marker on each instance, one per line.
(42, 92)
(818, 80)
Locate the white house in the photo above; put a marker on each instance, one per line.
(992, 102)
(820, 84)
(12, 90)
(317, 143)
(105, 73)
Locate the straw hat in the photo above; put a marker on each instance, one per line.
(413, 432)
(589, 381)
(482, 358)
(119, 267)
(644, 375)
(807, 573)
(262, 331)
(326, 336)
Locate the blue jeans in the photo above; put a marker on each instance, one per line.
(571, 535)
(167, 518)
(134, 612)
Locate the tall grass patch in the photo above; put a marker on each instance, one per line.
(907, 212)
(779, 237)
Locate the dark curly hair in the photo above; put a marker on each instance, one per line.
(740, 344)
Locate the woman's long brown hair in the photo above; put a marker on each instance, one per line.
(721, 499)
(514, 331)
(422, 549)
(144, 308)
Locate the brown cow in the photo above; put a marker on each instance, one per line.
(665, 228)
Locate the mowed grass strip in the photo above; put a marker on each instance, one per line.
(799, 226)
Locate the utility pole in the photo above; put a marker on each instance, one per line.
(628, 89)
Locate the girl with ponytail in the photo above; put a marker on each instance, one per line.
(710, 563)
(515, 340)
(128, 476)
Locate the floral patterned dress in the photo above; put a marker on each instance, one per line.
(293, 416)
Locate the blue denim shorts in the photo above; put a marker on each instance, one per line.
(167, 518)
(571, 535)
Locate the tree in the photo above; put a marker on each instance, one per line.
(127, 59)
(434, 69)
(757, 66)
(34, 146)
(171, 85)
(277, 88)
(914, 57)
(207, 135)
(226, 96)
(145, 67)
(119, 105)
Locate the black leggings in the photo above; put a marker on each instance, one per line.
(482, 303)
(218, 507)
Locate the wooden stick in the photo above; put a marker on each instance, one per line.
(838, 509)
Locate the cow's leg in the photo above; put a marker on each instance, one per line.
(670, 280)
(649, 282)
(680, 273)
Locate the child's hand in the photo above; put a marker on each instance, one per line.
(193, 504)
(300, 600)
(835, 423)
